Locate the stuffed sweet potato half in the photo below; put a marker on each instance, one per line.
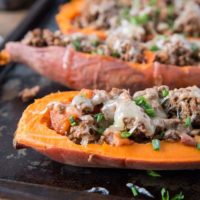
(156, 128)
(85, 61)
(140, 20)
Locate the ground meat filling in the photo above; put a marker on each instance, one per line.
(137, 19)
(117, 47)
(175, 50)
(117, 118)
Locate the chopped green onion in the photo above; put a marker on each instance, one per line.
(140, 19)
(170, 10)
(125, 13)
(142, 102)
(77, 44)
(100, 130)
(165, 92)
(179, 196)
(153, 2)
(99, 117)
(153, 173)
(100, 51)
(162, 134)
(154, 48)
(165, 194)
(134, 191)
(198, 146)
(72, 121)
(125, 134)
(188, 122)
(156, 144)
(95, 43)
(194, 47)
(115, 55)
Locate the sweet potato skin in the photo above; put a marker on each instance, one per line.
(33, 132)
(80, 70)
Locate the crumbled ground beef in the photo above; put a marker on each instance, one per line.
(137, 19)
(119, 119)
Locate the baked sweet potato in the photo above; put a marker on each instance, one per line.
(79, 70)
(34, 131)
(67, 13)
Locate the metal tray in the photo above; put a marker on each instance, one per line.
(21, 170)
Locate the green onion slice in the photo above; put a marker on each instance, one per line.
(198, 146)
(165, 92)
(156, 144)
(72, 121)
(134, 191)
(153, 173)
(142, 102)
(99, 117)
(188, 122)
(125, 134)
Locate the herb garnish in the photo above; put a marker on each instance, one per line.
(188, 122)
(142, 102)
(95, 43)
(194, 47)
(134, 191)
(125, 134)
(153, 2)
(156, 144)
(165, 92)
(100, 51)
(99, 117)
(165, 195)
(77, 44)
(100, 130)
(153, 173)
(198, 146)
(154, 48)
(139, 19)
(72, 121)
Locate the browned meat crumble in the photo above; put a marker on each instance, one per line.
(117, 118)
(174, 50)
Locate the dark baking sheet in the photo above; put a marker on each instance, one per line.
(32, 168)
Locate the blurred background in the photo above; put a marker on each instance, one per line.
(11, 13)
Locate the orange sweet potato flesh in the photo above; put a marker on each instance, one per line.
(80, 70)
(66, 15)
(33, 132)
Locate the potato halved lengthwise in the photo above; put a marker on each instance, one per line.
(68, 12)
(33, 132)
(79, 70)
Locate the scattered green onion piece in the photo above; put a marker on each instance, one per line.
(179, 196)
(153, 2)
(115, 55)
(150, 112)
(99, 117)
(142, 102)
(140, 19)
(165, 92)
(72, 121)
(198, 146)
(134, 191)
(100, 51)
(188, 122)
(100, 130)
(125, 134)
(77, 44)
(170, 10)
(153, 173)
(162, 134)
(156, 144)
(164, 194)
(154, 48)
(95, 43)
(194, 47)
(125, 13)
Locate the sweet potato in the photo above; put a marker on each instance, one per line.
(80, 70)
(33, 132)
(67, 13)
